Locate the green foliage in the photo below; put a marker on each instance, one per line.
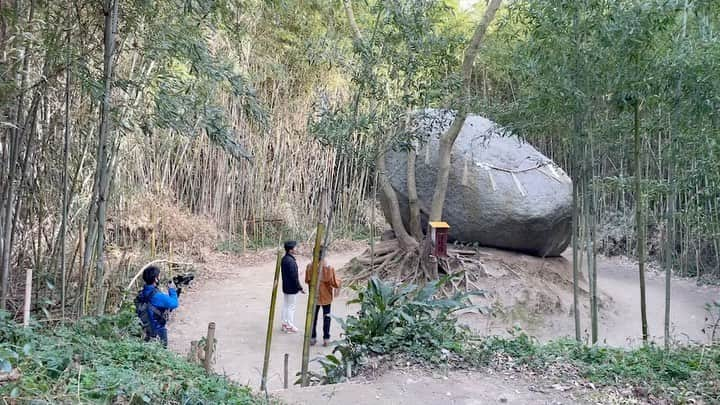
(398, 319)
(552, 61)
(405, 318)
(102, 360)
(408, 59)
(191, 71)
(680, 373)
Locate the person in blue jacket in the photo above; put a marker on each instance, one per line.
(160, 304)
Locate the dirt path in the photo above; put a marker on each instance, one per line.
(620, 321)
(237, 300)
(456, 388)
(237, 297)
(622, 326)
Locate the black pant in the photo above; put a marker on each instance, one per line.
(326, 321)
(160, 334)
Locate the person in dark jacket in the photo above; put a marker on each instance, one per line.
(160, 304)
(291, 287)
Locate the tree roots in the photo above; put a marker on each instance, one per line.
(389, 261)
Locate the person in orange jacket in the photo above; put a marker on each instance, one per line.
(328, 286)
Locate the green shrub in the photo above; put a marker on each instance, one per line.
(102, 360)
(396, 319)
(679, 373)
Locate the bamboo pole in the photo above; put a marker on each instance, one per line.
(152, 232)
(640, 224)
(209, 347)
(311, 304)
(63, 227)
(244, 236)
(28, 297)
(372, 223)
(271, 317)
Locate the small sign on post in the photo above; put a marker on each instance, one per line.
(439, 236)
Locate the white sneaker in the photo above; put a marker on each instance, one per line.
(291, 329)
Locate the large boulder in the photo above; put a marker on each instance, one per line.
(502, 192)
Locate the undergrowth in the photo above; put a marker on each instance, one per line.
(405, 320)
(409, 321)
(681, 373)
(102, 360)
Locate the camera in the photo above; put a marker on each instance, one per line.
(182, 280)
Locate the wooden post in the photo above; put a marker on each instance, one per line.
(311, 304)
(285, 371)
(28, 297)
(209, 346)
(271, 318)
(244, 231)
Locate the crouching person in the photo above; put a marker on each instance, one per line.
(153, 306)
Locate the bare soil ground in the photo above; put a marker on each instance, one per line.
(237, 299)
(234, 292)
(467, 388)
(536, 295)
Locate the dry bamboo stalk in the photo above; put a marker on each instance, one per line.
(271, 318)
(28, 297)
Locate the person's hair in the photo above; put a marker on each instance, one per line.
(290, 245)
(150, 274)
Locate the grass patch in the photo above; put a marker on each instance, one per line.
(102, 360)
(680, 374)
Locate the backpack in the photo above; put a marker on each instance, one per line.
(143, 309)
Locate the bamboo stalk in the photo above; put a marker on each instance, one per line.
(28, 297)
(640, 225)
(271, 318)
(311, 304)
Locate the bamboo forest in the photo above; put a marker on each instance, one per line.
(478, 201)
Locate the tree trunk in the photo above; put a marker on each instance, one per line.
(391, 208)
(14, 153)
(351, 19)
(448, 139)
(669, 247)
(588, 175)
(670, 212)
(102, 171)
(413, 202)
(594, 308)
(576, 262)
(63, 226)
(639, 221)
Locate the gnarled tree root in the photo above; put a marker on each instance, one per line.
(388, 261)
